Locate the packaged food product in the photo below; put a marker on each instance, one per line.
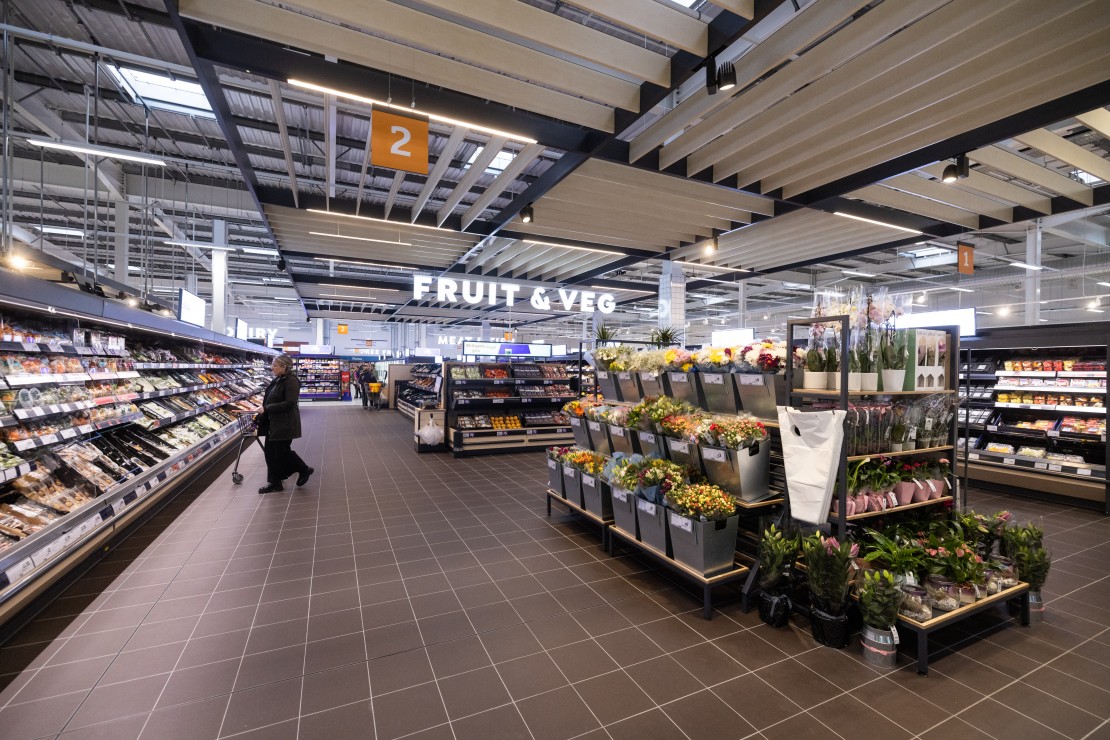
(1038, 452)
(1000, 447)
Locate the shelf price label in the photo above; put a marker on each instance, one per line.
(645, 506)
(681, 522)
(20, 570)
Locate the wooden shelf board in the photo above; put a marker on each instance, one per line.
(836, 394)
(894, 510)
(957, 614)
(903, 453)
(732, 575)
(556, 496)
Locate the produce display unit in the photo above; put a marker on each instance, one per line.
(414, 387)
(841, 399)
(507, 407)
(102, 420)
(1036, 402)
(320, 377)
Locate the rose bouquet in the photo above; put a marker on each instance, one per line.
(733, 433)
(678, 360)
(713, 359)
(701, 501)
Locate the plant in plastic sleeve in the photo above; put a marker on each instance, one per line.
(829, 565)
(701, 501)
(879, 599)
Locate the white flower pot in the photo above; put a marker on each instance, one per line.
(869, 382)
(855, 382)
(833, 382)
(813, 381)
(893, 380)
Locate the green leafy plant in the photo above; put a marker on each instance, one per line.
(815, 360)
(604, 334)
(828, 568)
(858, 475)
(832, 358)
(1032, 563)
(892, 348)
(896, 554)
(663, 337)
(777, 554)
(879, 599)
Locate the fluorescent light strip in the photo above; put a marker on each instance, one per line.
(1026, 266)
(96, 150)
(380, 220)
(876, 223)
(59, 230)
(343, 261)
(571, 246)
(857, 273)
(710, 267)
(259, 250)
(200, 245)
(1105, 284)
(406, 109)
(360, 238)
(960, 290)
(626, 290)
(360, 287)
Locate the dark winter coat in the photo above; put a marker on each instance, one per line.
(283, 415)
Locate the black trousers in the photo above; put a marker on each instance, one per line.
(281, 460)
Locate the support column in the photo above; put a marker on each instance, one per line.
(219, 277)
(742, 303)
(1033, 277)
(122, 227)
(672, 299)
(319, 331)
(485, 330)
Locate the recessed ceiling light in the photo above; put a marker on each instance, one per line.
(857, 273)
(1026, 266)
(360, 238)
(98, 151)
(876, 223)
(572, 246)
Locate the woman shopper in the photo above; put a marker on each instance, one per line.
(280, 423)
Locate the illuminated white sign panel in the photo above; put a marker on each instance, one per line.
(190, 308)
(477, 292)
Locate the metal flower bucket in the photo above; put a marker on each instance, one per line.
(620, 439)
(745, 473)
(607, 385)
(706, 547)
(760, 394)
(555, 476)
(599, 437)
(597, 496)
(652, 520)
(627, 386)
(719, 392)
(572, 484)
(650, 444)
(581, 436)
(624, 511)
(682, 387)
(651, 384)
(684, 453)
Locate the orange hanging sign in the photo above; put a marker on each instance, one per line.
(966, 254)
(398, 142)
(341, 329)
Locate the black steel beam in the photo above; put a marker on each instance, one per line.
(360, 282)
(355, 260)
(398, 214)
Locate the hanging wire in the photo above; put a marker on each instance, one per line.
(85, 201)
(96, 165)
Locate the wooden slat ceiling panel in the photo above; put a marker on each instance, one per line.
(551, 211)
(605, 224)
(260, 19)
(1012, 164)
(804, 28)
(911, 203)
(490, 150)
(911, 78)
(520, 162)
(587, 191)
(870, 29)
(978, 183)
(944, 193)
(546, 233)
(1028, 72)
(655, 20)
(1066, 151)
(1097, 120)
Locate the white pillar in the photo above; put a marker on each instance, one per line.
(742, 303)
(485, 330)
(1033, 277)
(122, 227)
(319, 331)
(672, 299)
(219, 277)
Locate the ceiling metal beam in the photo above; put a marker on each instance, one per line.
(283, 132)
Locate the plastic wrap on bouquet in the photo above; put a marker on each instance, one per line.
(599, 437)
(682, 387)
(581, 435)
(745, 473)
(627, 386)
(651, 384)
(718, 391)
(811, 444)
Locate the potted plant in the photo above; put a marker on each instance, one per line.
(958, 562)
(938, 477)
(702, 522)
(828, 568)
(663, 337)
(832, 364)
(815, 378)
(858, 480)
(906, 486)
(855, 379)
(777, 554)
(603, 335)
(1032, 564)
(995, 526)
(898, 428)
(904, 558)
(879, 599)
(893, 353)
(868, 358)
(736, 455)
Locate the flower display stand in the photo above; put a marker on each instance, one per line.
(744, 473)
(603, 522)
(599, 437)
(581, 435)
(607, 385)
(620, 439)
(719, 392)
(555, 476)
(706, 547)
(650, 444)
(628, 386)
(651, 384)
(682, 387)
(759, 394)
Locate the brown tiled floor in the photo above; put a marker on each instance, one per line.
(405, 595)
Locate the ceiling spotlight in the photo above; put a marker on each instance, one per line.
(957, 171)
(133, 301)
(726, 77)
(921, 298)
(1004, 311)
(19, 263)
(711, 245)
(281, 264)
(526, 214)
(766, 316)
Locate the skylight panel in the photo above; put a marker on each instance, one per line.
(497, 165)
(162, 92)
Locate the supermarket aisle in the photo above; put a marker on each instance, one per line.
(404, 595)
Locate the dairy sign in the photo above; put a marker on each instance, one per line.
(480, 292)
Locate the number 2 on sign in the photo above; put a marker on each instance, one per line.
(398, 147)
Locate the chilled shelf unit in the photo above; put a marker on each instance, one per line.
(96, 425)
(1033, 411)
(507, 407)
(320, 377)
(417, 387)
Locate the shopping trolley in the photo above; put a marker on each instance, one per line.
(374, 391)
(248, 429)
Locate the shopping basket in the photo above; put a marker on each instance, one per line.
(247, 422)
(374, 392)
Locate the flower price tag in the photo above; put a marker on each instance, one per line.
(624, 376)
(713, 378)
(620, 494)
(551, 463)
(646, 507)
(710, 454)
(594, 425)
(894, 634)
(616, 431)
(647, 437)
(749, 379)
(680, 378)
(682, 522)
(679, 446)
(589, 481)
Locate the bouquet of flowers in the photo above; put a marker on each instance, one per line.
(557, 453)
(713, 359)
(732, 433)
(957, 560)
(605, 357)
(648, 361)
(588, 462)
(580, 406)
(701, 501)
(598, 412)
(656, 478)
(618, 415)
(681, 426)
(678, 360)
(665, 406)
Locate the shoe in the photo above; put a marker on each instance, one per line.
(270, 488)
(303, 477)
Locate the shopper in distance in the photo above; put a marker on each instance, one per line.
(280, 424)
(366, 376)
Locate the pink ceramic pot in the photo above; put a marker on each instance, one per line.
(905, 491)
(921, 491)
